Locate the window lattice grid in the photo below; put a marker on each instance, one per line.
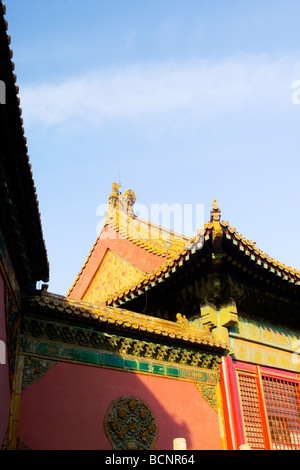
(251, 411)
(282, 404)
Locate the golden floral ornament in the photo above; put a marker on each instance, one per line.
(130, 425)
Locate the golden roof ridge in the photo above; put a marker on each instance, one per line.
(153, 237)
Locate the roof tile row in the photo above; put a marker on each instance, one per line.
(121, 318)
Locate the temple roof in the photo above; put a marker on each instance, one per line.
(121, 223)
(218, 239)
(19, 216)
(152, 237)
(50, 306)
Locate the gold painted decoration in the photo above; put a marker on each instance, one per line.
(263, 343)
(113, 275)
(130, 424)
(35, 369)
(219, 319)
(209, 393)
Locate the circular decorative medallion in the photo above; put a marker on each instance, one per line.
(130, 425)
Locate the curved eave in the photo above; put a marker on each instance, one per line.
(256, 260)
(52, 306)
(229, 244)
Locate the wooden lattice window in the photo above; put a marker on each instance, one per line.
(251, 411)
(282, 404)
(270, 406)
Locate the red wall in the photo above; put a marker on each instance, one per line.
(65, 409)
(4, 368)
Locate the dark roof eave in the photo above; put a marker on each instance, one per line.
(19, 179)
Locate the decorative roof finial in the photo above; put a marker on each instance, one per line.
(130, 197)
(114, 196)
(122, 202)
(215, 213)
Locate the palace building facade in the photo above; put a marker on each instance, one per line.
(161, 337)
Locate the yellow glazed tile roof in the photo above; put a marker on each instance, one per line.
(54, 305)
(149, 236)
(213, 229)
(232, 233)
(152, 237)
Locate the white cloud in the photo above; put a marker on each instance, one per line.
(196, 90)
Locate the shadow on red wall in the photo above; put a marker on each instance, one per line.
(65, 409)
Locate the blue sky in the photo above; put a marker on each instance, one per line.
(183, 101)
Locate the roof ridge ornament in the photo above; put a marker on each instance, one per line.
(121, 202)
(215, 213)
(217, 232)
(115, 195)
